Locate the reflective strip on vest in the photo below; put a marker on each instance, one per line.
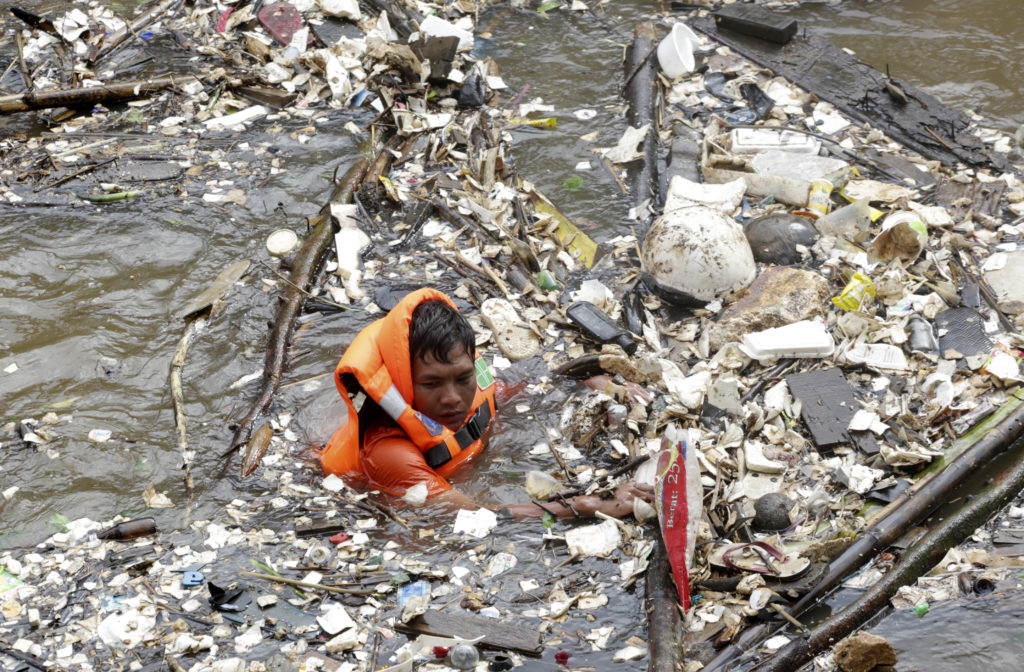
(393, 403)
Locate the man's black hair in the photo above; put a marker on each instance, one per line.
(436, 329)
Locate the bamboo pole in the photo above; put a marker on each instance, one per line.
(196, 314)
(919, 559)
(914, 509)
(178, 399)
(108, 43)
(310, 586)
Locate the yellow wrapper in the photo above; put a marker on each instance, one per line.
(859, 291)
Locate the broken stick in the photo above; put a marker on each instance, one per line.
(307, 260)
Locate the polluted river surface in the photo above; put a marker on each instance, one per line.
(91, 294)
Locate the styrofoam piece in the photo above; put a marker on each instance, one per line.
(675, 51)
(805, 167)
(754, 140)
(240, 117)
(435, 26)
(125, 628)
(477, 523)
(598, 540)
(696, 254)
(753, 453)
(334, 619)
(807, 338)
(683, 193)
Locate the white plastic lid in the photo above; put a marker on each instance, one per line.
(282, 242)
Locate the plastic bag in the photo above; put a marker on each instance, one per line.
(678, 499)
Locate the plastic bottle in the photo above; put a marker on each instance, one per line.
(847, 220)
(596, 324)
(130, 529)
(922, 338)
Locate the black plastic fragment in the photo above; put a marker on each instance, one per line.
(828, 404)
(890, 492)
(472, 92)
(962, 329)
(773, 238)
(759, 102)
(223, 600)
(756, 21)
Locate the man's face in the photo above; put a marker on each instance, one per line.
(443, 391)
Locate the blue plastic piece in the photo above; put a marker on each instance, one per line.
(192, 579)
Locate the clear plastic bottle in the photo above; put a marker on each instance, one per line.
(464, 656)
(922, 338)
(847, 221)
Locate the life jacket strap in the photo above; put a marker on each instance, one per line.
(469, 433)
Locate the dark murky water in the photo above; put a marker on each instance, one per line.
(86, 283)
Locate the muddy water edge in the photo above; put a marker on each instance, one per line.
(90, 294)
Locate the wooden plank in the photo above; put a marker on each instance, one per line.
(496, 635)
(968, 199)
(922, 123)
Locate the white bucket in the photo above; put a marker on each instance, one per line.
(675, 52)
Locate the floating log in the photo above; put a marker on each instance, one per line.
(91, 95)
(922, 123)
(664, 625)
(639, 93)
(919, 559)
(496, 635)
(308, 260)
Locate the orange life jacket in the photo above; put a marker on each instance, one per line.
(378, 362)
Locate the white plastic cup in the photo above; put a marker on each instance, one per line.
(675, 51)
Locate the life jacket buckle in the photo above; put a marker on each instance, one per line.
(477, 425)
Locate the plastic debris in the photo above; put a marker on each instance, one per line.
(920, 353)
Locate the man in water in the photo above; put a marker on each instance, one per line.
(430, 400)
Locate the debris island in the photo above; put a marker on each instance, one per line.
(819, 302)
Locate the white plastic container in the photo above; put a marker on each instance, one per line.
(754, 140)
(675, 51)
(807, 338)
